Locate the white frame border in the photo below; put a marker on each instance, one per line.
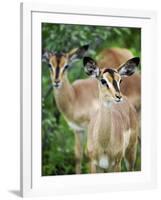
(26, 184)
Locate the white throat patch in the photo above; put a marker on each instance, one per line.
(107, 104)
(75, 126)
(104, 162)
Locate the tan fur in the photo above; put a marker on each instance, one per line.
(77, 102)
(107, 135)
(113, 57)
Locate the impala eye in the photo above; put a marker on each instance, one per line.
(49, 65)
(66, 66)
(103, 81)
(120, 81)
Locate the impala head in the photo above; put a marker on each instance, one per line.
(60, 62)
(109, 78)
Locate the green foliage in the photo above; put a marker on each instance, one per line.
(57, 137)
(65, 37)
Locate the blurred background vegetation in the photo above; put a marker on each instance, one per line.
(57, 137)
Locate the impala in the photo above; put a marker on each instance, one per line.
(113, 128)
(75, 101)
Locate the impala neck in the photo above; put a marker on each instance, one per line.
(64, 97)
(104, 121)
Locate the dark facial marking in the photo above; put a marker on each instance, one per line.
(57, 72)
(58, 58)
(110, 71)
(115, 85)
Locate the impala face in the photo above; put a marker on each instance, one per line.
(59, 63)
(109, 84)
(109, 78)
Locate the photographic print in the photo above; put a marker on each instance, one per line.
(87, 100)
(90, 99)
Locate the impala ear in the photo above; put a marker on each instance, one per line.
(90, 67)
(129, 68)
(46, 55)
(78, 53)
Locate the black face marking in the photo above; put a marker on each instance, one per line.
(57, 72)
(58, 58)
(115, 85)
(110, 71)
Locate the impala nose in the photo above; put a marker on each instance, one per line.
(118, 97)
(56, 83)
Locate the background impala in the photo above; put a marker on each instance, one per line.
(76, 101)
